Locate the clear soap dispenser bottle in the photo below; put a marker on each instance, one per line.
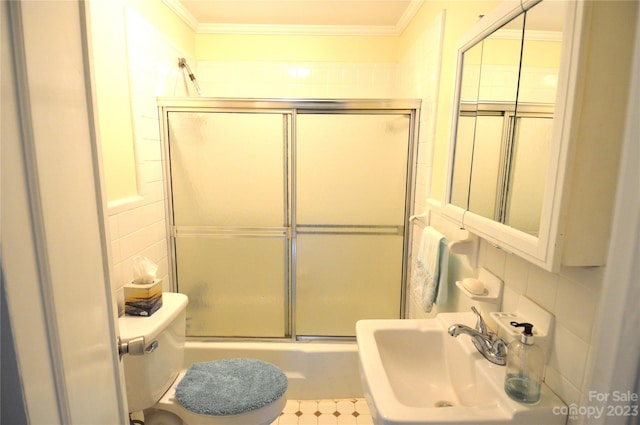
(525, 364)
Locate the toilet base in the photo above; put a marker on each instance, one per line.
(168, 404)
(161, 417)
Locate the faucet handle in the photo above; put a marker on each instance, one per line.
(499, 350)
(481, 326)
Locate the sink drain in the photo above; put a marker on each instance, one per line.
(443, 403)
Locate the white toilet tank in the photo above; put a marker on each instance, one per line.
(149, 376)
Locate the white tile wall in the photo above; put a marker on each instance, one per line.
(419, 77)
(571, 295)
(263, 79)
(139, 228)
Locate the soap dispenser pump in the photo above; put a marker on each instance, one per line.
(525, 364)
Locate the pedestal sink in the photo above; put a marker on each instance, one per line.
(413, 372)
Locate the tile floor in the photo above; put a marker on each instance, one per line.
(352, 411)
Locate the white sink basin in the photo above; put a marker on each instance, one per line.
(414, 372)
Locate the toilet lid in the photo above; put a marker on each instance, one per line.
(230, 386)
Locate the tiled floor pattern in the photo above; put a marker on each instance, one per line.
(325, 412)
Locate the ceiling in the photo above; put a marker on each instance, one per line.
(339, 17)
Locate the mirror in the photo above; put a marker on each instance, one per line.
(533, 121)
(506, 95)
(498, 95)
(467, 111)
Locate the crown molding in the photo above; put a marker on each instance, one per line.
(255, 29)
(176, 7)
(408, 15)
(267, 29)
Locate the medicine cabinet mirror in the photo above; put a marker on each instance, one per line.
(506, 142)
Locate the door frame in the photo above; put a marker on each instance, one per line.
(55, 260)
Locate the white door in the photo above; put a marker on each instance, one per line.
(54, 256)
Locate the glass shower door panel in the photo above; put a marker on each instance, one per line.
(351, 169)
(235, 286)
(341, 279)
(227, 169)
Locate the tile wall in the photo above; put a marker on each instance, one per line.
(138, 227)
(571, 295)
(419, 77)
(298, 79)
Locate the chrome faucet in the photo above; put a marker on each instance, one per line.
(492, 348)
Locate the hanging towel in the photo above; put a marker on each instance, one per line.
(425, 275)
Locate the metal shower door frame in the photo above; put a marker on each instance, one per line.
(290, 108)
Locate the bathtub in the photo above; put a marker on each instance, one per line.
(316, 370)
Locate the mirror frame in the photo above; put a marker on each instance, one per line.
(543, 250)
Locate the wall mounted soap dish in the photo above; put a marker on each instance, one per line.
(491, 288)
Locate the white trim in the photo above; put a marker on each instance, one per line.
(408, 15)
(356, 30)
(58, 296)
(36, 218)
(363, 30)
(176, 7)
(124, 204)
(100, 195)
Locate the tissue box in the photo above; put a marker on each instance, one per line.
(142, 300)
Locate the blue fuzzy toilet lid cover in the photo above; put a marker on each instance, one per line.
(230, 386)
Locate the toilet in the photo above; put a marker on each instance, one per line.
(225, 392)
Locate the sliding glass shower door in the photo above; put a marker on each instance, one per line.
(229, 194)
(351, 183)
(287, 221)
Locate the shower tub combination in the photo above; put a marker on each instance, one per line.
(288, 221)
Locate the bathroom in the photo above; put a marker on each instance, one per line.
(419, 63)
